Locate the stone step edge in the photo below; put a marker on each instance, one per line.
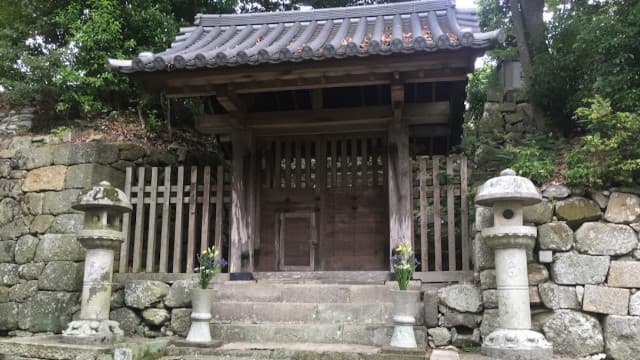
(294, 350)
(366, 334)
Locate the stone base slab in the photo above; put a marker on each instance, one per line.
(190, 344)
(51, 347)
(517, 345)
(92, 332)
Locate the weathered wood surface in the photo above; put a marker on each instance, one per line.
(354, 119)
(351, 222)
(177, 240)
(399, 180)
(440, 200)
(159, 201)
(345, 192)
(126, 225)
(240, 247)
(419, 67)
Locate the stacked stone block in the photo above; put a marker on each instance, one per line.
(41, 262)
(17, 121)
(584, 273)
(459, 313)
(153, 308)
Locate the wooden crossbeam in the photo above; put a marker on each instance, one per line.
(324, 120)
(325, 81)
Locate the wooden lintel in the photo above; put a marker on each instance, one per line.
(446, 74)
(340, 119)
(426, 113)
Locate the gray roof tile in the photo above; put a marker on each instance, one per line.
(229, 40)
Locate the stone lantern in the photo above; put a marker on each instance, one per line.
(101, 235)
(508, 194)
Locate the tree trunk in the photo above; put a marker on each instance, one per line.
(528, 25)
(534, 26)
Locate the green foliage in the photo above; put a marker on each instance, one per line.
(105, 28)
(479, 82)
(593, 51)
(534, 158)
(494, 14)
(152, 121)
(608, 154)
(55, 51)
(60, 131)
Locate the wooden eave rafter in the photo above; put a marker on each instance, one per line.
(441, 66)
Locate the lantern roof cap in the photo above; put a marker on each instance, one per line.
(508, 187)
(103, 195)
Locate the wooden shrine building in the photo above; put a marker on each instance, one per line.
(322, 108)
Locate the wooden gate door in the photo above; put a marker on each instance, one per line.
(322, 203)
(296, 240)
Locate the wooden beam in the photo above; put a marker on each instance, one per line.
(326, 81)
(399, 174)
(230, 101)
(308, 69)
(339, 120)
(240, 247)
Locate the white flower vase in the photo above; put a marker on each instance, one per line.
(202, 303)
(405, 306)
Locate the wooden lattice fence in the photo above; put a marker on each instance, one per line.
(167, 201)
(441, 217)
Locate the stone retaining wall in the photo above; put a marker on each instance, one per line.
(584, 276)
(41, 262)
(18, 121)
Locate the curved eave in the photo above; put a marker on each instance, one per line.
(228, 40)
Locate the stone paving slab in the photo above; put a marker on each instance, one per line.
(50, 347)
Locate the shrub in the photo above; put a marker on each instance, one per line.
(608, 154)
(534, 158)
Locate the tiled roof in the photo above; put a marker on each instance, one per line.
(229, 40)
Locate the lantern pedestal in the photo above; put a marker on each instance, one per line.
(508, 194)
(101, 236)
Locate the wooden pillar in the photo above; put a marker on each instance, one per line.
(242, 201)
(399, 173)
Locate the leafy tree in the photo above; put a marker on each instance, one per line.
(104, 28)
(594, 51)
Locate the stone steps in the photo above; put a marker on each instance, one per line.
(283, 351)
(363, 334)
(345, 313)
(273, 291)
(270, 310)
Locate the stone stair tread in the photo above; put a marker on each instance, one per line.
(312, 347)
(283, 350)
(374, 334)
(50, 347)
(266, 312)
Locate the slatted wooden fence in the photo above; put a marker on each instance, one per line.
(166, 202)
(441, 227)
